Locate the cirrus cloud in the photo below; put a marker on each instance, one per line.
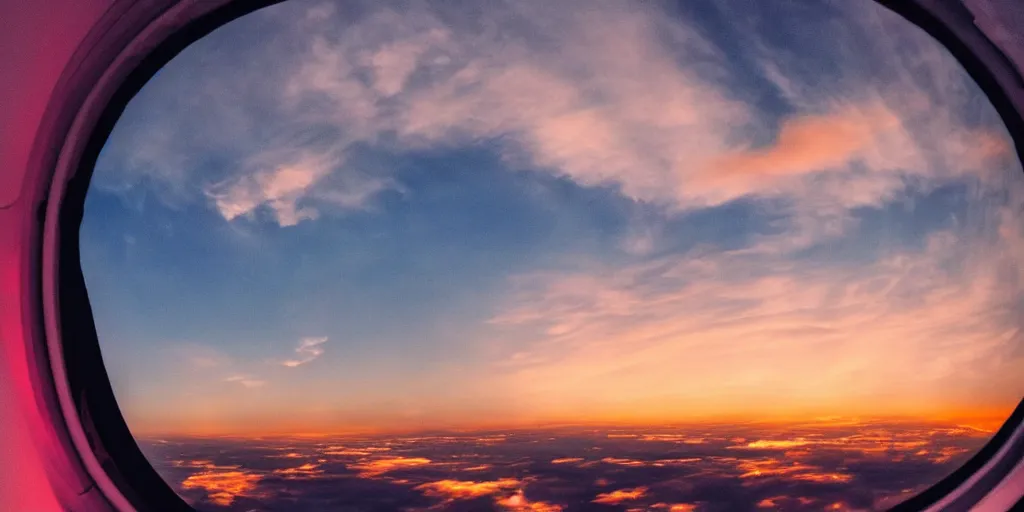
(308, 350)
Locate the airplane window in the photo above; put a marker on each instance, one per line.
(557, 256)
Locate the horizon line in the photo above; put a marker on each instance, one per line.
(983, 423)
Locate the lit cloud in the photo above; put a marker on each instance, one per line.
(618, 496)
(308, 350)
(567, 460)
(809, 144)
(519, 503)
(465, 489)
(378, 467)
(303, 471)
(623, 462)
(675, 507)
(222, 484)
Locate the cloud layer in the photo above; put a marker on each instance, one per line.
(857, 465)
(657, 110)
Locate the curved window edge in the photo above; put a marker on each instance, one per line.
(134, 39)
(952, 25)
(123, 50)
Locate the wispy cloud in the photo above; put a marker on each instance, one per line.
(656, 110)
(708, 327)
(280, 188)
(308, 350)
(246, 381)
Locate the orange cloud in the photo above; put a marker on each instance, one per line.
(789, 470)
(622, 462)
(618, 496)
(518, 503)
(347, 452)
(675, 507)
(462, 489)
(809, 144)
(567, 460)
(775, 445)
(675, 462)
(947, 453)
(769, 467)
(375, 468)
(354, 452)
(868, 442)
(222, 486)
(664, 437)
(305, 470)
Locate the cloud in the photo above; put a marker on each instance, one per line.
(618, 496)
(659, 111)
(810, 144)
(246, 381)
(222, 483)
(465, 489)
(280, 188)
(567, 460)
(675, 507)
(378, 467)
(720, 478)
(774, 468)
(309, 349)
(711, 328)
(199, 357)
(518, 503)
(635, 111)
(303, 471)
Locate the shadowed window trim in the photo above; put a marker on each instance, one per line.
(133, 40)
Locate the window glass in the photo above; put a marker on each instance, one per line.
(554, 256)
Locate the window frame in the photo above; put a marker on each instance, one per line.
(126, 47)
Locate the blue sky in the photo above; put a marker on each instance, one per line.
(438, 213)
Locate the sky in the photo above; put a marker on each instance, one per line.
(351, 216)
